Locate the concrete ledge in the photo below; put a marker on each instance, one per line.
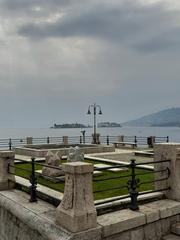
(165, 208)
(34, 215)
(38, 217)
(120, 221)
(124, 220)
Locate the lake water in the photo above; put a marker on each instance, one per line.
(172, 132)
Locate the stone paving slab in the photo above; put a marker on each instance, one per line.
(42, 189)
(101, 165)
(147, 167)
(27, 158)
(97, 173)
(118, 170)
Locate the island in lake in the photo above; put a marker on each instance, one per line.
(80, 125)
(70, 125)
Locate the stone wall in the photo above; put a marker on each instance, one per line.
(22, 220)
(12, 228)
(151, 222)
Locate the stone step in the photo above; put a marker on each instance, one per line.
(171, 237)
(175, 228)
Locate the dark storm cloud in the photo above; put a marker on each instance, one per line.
(169, 39)
(145, 28)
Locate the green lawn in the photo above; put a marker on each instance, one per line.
(100, 185)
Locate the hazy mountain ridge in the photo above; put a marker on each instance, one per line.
(168, 117)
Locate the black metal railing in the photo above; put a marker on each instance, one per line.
(131, 183)
(11, 143)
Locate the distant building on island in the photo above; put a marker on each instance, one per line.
(108, 124)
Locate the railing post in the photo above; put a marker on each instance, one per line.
(171, 152)
(151, 141)
(29, 140)
(10, 144)
(48, 140)
(107, 140)
(133, 183)
(167, 139)
(120, 138)
(7, 170)
(76, 211)
(33, 181)
(65, 140)
(80, 139)
(135, 141)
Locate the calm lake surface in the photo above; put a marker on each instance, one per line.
(172, 132)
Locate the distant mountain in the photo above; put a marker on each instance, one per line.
(166, 118)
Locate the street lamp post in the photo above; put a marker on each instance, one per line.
(94, 107)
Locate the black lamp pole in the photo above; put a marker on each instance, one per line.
(94, 107)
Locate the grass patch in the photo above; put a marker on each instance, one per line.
(25, 172)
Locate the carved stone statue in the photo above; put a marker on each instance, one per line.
(53, 160)
(75, 155)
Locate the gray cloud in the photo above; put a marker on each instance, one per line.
(57, 57)
(141, 27)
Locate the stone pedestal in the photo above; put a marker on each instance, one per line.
(6, 179)
(29, 140)
(77, 212)
(168, 151)
(65, 140)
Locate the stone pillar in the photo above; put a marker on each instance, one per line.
(6, 179)
(121, 138)
(29, 140)
(77, 212)
(168, 151)
(96, 139)
(65, 140)
(151, 141)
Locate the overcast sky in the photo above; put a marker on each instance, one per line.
(59, 56)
